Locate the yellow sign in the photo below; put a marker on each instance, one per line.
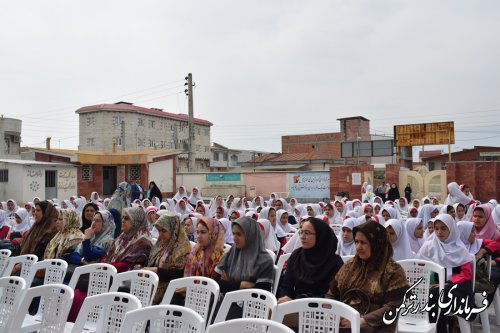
(424, 134)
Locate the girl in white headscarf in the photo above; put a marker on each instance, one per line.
(387, 213)
(11, 207)
(237, 205)
(399, 240)
(270, 239)
(94, 197)
(460, 211)
(282, 222)
(402, 206)
(427, 212)
(155, 201)
(79, 204)
(4, 224)
(455, 195)
(257, 201)
(346, 246)
(180, 194)
(182, 208)
(368, 195)
(216, 203)
(292, 204)
(195, 196)
(299, 212)
(415, 229)
(468, 237)
(23, 223)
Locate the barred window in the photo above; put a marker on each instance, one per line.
(134, 172)
(4, 175)
(117, 120)
(140, 121)
(151, 124)
(141, 142)
(90, 121)
(151, 143)
(86, 173)
(91, 142)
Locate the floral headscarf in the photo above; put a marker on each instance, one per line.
(104, 239)
(66, 239)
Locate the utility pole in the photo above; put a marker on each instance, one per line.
(189, 94)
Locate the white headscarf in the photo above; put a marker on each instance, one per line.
(411, 226)
(286, 228)
(301, 212)
(495, 213)
(14, 210)
(194, 198)
(178, 196)
(25, 221)
(181, 211)
(347, 248)
(402, 248)
(425, 212)
(270, 240)
(403, 211)
(228, 235)
(80, 203)
(455, 195)
(465, 228)
(449, 253)
(94, 199)
(237, 205)
(4, 221)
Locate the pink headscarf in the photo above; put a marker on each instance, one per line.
(489, 230)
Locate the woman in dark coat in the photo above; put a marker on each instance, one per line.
(408, 192)
(393, 193)
(154, 191)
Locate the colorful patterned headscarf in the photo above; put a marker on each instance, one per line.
(68, 238)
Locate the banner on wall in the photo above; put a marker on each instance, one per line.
(309, 185)
(223, 177)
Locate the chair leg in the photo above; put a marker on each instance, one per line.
(485, 320)
(464, 325)
(496, 305)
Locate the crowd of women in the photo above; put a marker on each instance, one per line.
(183, 236)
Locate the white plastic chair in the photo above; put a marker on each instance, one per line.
(346, 258)
(496, 305)
(4, 260)
(249, 325)
(164, 319)
(57, 300)
(416, 269)
(26, 261)
(202, 294)
(278, 269)
(192, 243)
(272, 254)
(227, 247)
(11, 290)
(112, 309)
(55, 270)
(256, 303)
(143, 284)
(318, 314)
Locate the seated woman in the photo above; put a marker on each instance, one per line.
(189, 224)
(415, 230)
(445, 248)
(460, 211)
(96, 240)
(168, 256)
(372, 282)
(311, 268)
(399, 240)
(247, 264)
(88, 214)
(68, 236)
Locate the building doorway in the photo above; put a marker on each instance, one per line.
(50, 184)
(108, 180)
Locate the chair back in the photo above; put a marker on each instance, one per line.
(55, 270)
(100, 278)
(11, 288)
(257, 303)
(249, 325)
(279, 269)
(26, 261)
(4, 260)
(143, 284)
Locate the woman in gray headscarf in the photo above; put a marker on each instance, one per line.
(247, 264)
(121, 197)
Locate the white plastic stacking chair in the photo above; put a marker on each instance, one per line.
(272, 254)
(100, 279)
(202, 294)
(416, 269)
(318, 314)
(164, 319)
(143, 284)
(192, 243)
(227, 247)
(55, 270)
(337, 228)
(346, 258)
(478, 298)
(113, 308)
(57, 299)
(257, 303)
(279, 269)
(4, 260)
(252, 325)
(11, 290)
(496, 305)
(26, 261)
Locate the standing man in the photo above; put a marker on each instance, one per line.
(136, 191)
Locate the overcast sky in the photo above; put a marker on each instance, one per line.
(262, 68)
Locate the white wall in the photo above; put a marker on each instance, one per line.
(162, 174)
(66, 183)
(33, 182)
(14, 188)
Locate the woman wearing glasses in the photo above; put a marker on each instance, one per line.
(311, 267)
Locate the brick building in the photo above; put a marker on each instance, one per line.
(478, 153)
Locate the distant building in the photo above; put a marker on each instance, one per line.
(10, 131)
(135, 128)
(478, 153)
(224, 159)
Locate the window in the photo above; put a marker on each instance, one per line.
(207, 132)
(90, 142)
(140, 121)
(207, 149)
(7, 146)
(50, 178)
(118, 140)
(90, 121)
(151, 124)
(151, 143)
(86, 173)
(117, 120)
(224, 156)
(141, 142)
(198, 131)
(216, 156)
(4, 175)
(234, 158)
(198, 147)
(134, 172)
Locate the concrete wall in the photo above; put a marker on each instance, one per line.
(482, 177)
(10, 130)
(14, 188)
(341, 180)
(162, 174)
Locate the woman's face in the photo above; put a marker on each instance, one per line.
(10, 205)
(234, 216)
(430, 227)
(435, 201)
(126, 222)
(219, 213)
(203, 235)
(479, 219)
(416, 203)
(363, 247)
(392, 235)
(310, 211)
(328, 211)
(18, 219)
(386, 215)
(163, 235)
(60, 222)
(146, 204)
(181, 190)
(452, 212)
(472, 236)
(257, 201)
(376, 209)
(188, 226)
(368, 210)
(347, 234)
(153, 200)
(339, 207)
(441, 230)
(413, 213)
(182, 204)
(307, 235)
(272, 216)
(434, 213)
(419, 231)
(200, 210)
(460, 212)
(97, 224)
(38, 213)
(89, 212)
(152, 217)
(238, 237)
(278, 205)
(219, 200)
(284, 219)
(402, 203)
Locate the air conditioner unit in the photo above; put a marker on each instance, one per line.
(17, 139)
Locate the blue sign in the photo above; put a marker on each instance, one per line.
(309, 185)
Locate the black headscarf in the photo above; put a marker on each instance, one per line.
(86, 223)
(314, 268)
(155, 192)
